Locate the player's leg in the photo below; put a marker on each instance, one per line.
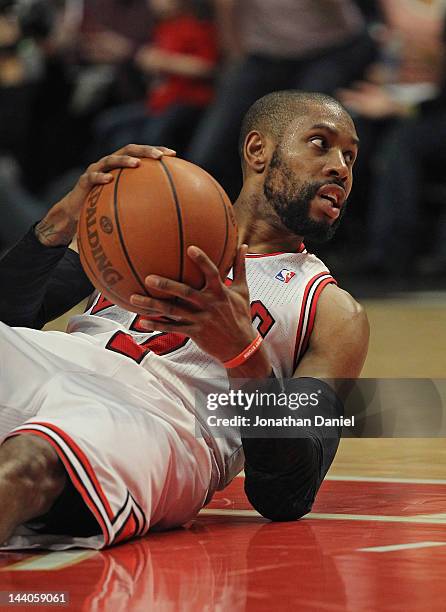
(31, 479)
(132, 458)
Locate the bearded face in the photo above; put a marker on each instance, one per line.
(291, 200)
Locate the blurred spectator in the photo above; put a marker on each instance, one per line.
(86, 56)
(48, 95)
(36, 86)
(371, 9)
(408, 118)
(315, 45)
(15, 85)
(179, 64)
(35, 93)
(111, 32)
(49, 30)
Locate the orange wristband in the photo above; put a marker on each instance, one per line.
(245, 354)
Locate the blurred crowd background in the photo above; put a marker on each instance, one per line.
(79, 78)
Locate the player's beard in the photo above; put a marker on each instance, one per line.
(291, 201)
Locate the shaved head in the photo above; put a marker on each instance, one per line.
(298, 150)
(272, 114)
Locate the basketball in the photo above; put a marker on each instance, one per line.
(143, 223)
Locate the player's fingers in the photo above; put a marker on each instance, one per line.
(111, 162)
(167, 151)
(99, 172)
(145, 310)
(167, 308)
(186, 328)
(209, 269)
(240, 268)
(151, 151)
(127, 157)
(89, 179)
(174, 289)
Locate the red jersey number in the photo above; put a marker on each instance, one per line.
(164, 343)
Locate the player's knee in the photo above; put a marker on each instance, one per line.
(34, 470)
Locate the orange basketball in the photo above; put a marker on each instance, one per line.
(143, 222)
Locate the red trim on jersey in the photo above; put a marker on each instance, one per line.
(75, 478)
(309, 286)
(84, 461)
(101, 304)
(312, 316)
(129, 529)
(257, 255)
(142, 522)
(302, 313)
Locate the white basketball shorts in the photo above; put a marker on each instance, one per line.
(128, 445)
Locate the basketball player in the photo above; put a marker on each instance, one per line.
(100, 424)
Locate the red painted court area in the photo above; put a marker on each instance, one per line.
(367, 546)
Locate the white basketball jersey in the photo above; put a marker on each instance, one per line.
(284, 289)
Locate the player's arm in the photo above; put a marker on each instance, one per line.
(339, 341)
(39, 283)
(40, 277)
(283, 475)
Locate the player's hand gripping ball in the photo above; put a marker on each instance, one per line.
(143, 222)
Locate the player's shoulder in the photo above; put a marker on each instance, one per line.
(340, 337)
(335, 299)
(340, 316)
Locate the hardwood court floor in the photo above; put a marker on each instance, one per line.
(408, 340)
(374, 542)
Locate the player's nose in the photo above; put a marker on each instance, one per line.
(336, 166)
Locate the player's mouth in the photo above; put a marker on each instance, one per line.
(332, 197)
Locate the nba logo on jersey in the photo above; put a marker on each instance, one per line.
(284, 276)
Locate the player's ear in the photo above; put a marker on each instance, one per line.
(255, 151)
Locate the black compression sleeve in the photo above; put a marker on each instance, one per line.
(283, 475)
(286, 493)
(39, 283)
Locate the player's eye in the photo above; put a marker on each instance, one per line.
(320, 142)
(349, 157)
